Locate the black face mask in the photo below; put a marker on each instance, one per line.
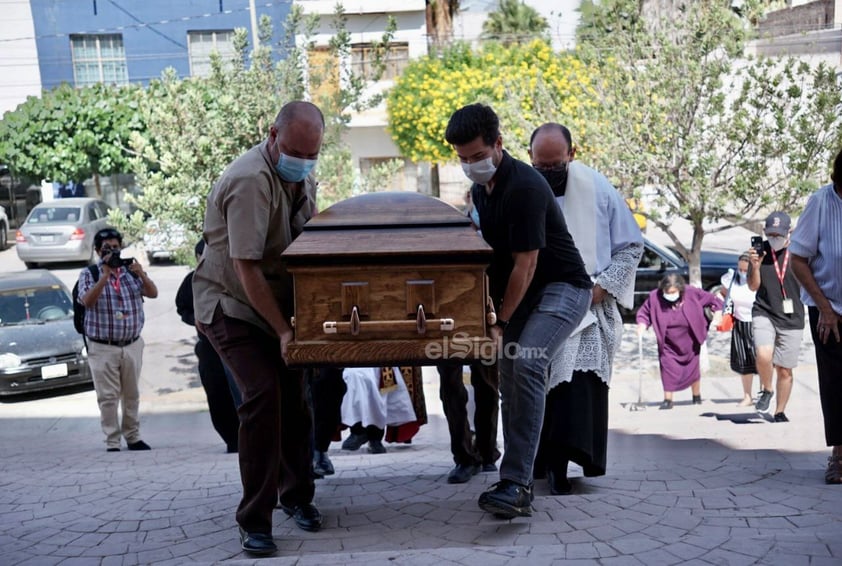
(557, 179)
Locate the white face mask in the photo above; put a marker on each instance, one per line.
(777, 243)
(741, 276)
(671, 297)
(480, 172)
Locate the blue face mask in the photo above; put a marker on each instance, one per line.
(294, 169)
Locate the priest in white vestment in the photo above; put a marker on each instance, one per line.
(610, 242)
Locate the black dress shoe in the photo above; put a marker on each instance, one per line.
(376, 447)
(492, 467)
(461, 473)
(259, 544)
(306, 516)
(507, 499)
(559, 484)
(112, 449)
(354, 441)
(322, 466)
(139, 445)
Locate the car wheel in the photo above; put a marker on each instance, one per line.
(30, 264)
(151, 257)
(4, 237)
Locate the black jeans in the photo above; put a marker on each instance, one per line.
(454, 399)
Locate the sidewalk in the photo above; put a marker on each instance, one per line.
(709, 484)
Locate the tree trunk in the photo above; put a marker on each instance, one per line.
(435, 186)
(97, 185)
(694, 259)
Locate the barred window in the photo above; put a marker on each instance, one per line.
(202, 43)
(98, 59)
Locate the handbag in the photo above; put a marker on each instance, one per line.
(726, 324)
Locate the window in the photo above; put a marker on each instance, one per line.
(202, 43)
(98, 59)
(395, 60)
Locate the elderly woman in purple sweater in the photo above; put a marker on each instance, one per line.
(676, 312)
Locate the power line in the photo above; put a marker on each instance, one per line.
(142, 24)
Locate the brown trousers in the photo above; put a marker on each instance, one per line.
(276, 454)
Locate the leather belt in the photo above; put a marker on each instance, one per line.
(118, 343)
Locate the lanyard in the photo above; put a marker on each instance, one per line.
(780, 271)
(116, 282)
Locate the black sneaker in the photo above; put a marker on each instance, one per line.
(322, 466)
(781, 418)
(763, 400)
(666, 405)
(697, 399)
(139, 445)
(258, 544)
(507, 500)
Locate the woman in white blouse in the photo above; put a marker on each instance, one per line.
(741, 300)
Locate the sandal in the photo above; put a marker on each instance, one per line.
(833, 474)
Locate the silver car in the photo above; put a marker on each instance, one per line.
(61, 230)
(39, 346)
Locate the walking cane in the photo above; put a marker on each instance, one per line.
(639, 406)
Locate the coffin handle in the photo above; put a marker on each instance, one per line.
(355, 321)
(421, 320)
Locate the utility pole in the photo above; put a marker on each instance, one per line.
(254, 37)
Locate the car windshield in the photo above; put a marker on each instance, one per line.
(54, 215)
(34, 305)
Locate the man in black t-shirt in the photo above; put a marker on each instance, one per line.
(538, 283)
(778, 314)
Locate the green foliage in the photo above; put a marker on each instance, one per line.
(526, 85)
(197, 126)
(713, 135)
(71, 134)
(514, 22)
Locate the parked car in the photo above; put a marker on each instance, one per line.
(658, 261)
(160, 242)
(61, 230)
(39, 347)
(4, 229)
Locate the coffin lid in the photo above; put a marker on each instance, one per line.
(388, 228)
(388, 210)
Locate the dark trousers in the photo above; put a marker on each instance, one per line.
(327, 388)
(454, 400)
(276, 454)
(221, 404)
(828, 363)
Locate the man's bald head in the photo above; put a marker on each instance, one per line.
(299, 110)
(550, 146)
(297, 131)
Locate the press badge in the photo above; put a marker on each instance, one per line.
(788, 307)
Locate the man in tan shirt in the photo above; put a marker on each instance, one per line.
(243, 303)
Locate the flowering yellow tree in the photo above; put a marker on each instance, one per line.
(526, 85)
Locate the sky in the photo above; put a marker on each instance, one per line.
(562, 15)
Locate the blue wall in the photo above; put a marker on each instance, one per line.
(149, 48)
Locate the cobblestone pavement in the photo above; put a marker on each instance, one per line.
(709, 484)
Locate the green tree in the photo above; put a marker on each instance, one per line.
(70, 134)
(514, 22)
(195, 127)
(713, 135)
(525, 84)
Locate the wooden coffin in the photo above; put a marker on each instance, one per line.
(389, 278)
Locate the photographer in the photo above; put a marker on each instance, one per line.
(112, 293)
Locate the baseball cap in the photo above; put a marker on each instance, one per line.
(778, 222)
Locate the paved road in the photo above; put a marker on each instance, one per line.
(709, 484)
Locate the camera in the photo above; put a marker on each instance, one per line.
(115, 261)
(757, 244)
